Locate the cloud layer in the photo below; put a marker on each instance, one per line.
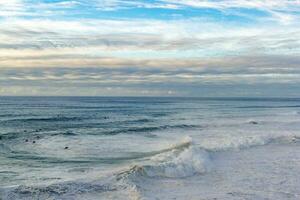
(95, 47)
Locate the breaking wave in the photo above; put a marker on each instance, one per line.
(178, 161)
(186, 159)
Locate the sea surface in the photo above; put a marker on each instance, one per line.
(149, 148)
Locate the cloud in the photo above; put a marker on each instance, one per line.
(283, 11)
(43, 46)
(206, 81)
(109, 5)
(11, 8)
(148, 43)
(246, 70)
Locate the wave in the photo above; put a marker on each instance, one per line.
(189, 162)
(35, 134)
(287, 106)
(245, 142)
(65, 133)
(150, 129)
(44, 119)
(186, 159)
(62, 129)
(178, 161)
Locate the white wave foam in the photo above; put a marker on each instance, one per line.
(189, 162)
(181, 160)
(243, 142)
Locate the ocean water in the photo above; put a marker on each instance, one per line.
(149, 148)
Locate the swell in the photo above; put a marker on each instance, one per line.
(291, 106)
(45, 119)
(34, 134)
(150, 129)
(56, 131)
(27, 156)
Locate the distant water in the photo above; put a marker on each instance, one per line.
(149, 148)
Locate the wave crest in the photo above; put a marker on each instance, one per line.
(179, 161)
(189, 162)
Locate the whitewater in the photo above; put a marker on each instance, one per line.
(149, 148)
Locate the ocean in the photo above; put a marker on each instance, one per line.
(149, 148)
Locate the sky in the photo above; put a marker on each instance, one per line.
(202, 48)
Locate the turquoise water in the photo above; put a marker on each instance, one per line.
(131, 148)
